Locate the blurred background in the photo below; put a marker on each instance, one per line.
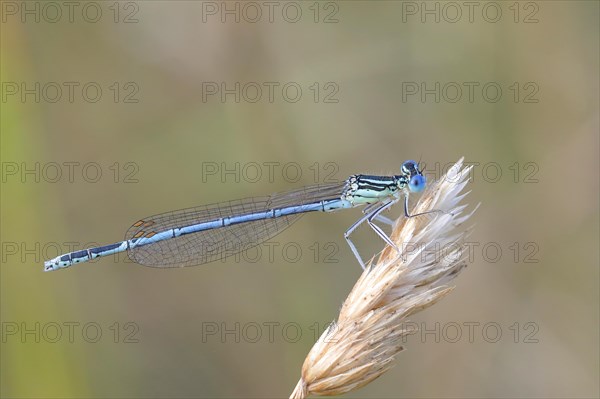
(113, 111)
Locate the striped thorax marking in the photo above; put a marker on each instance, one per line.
(366, 189)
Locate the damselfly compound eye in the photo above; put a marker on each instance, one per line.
(409, 167)
(417, 183)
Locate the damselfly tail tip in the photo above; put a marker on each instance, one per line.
(51, 265)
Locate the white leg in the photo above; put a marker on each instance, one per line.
(385, 220)
(349, 241)
(373, 213)
(370, 207)
(422, 213)
(377, 229)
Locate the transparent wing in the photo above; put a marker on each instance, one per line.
(210, 245)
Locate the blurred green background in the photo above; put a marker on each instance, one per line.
(156, 133)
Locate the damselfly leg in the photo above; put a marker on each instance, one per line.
(374, 212)
(422, 213)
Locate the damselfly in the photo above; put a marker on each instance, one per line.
(204, 234)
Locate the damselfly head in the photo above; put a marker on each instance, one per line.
(415, 179)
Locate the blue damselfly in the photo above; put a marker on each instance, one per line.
(204, 234)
